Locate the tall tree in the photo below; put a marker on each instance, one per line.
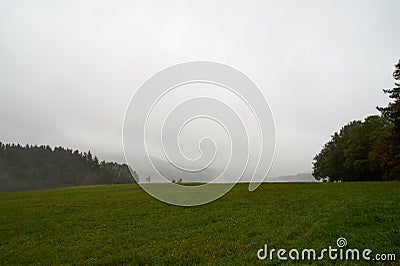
(391, 167)
(392, 111)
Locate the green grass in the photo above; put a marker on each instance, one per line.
(122, 224)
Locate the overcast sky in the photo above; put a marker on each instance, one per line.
(69, 68)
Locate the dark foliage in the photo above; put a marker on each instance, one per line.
(392, 111)
(365, 151)
(355, 152)
(38, 167)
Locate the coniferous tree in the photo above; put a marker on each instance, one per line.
(392, 111)
(36, 167)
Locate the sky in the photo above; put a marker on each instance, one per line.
(69, 68)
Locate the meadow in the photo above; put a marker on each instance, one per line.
(121, 224)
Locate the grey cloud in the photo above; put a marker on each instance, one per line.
(68, 68)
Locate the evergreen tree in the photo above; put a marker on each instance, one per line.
(392, 111)
(37, 167)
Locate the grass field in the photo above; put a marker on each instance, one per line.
(122, 224)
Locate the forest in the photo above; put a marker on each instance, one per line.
(367, 150)
(39, 167)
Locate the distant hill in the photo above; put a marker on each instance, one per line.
(171, 173)
(205, 176)
(293, 178)
(39, 167)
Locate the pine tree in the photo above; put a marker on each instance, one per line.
(392, 111)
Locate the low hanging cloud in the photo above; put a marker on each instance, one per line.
(68, 69)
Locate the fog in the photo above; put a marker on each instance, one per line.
(69, 68)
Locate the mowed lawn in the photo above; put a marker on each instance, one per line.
(121, 224)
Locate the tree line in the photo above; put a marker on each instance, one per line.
(37, 167)
(367, 150)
